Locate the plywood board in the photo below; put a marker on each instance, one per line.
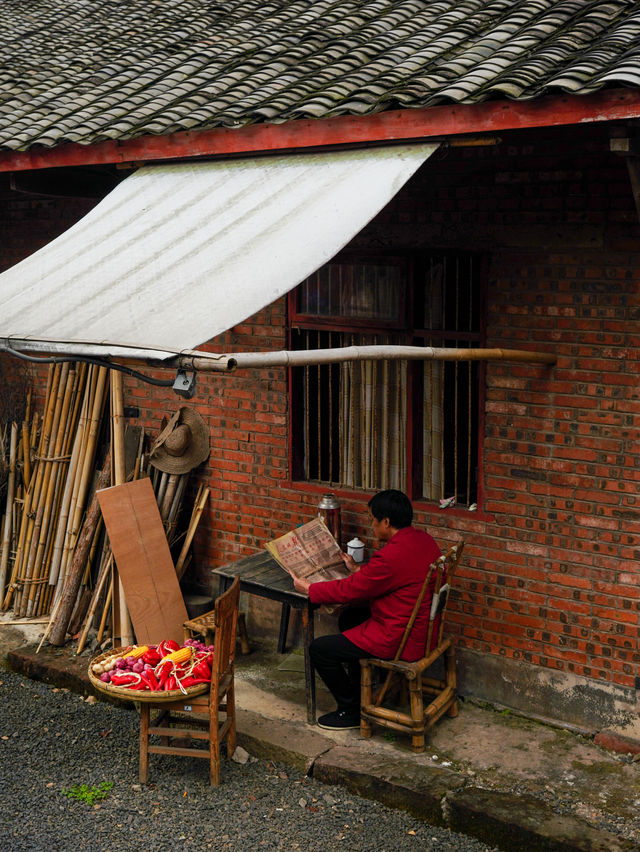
(142, 556)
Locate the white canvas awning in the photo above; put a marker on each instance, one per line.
(179, 253)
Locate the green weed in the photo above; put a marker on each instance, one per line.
(87, 794)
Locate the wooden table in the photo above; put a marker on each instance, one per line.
(261, 575)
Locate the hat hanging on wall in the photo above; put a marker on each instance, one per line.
(183, 443)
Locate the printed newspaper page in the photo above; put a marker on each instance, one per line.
(309, 552)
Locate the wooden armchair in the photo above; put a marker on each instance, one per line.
(442, 693)
(198, 718)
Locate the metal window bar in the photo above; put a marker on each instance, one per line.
(356, 450)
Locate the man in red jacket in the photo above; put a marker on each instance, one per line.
(381, 595)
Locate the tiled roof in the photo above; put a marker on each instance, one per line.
(91, 70)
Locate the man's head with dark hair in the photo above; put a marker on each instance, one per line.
(394, 505)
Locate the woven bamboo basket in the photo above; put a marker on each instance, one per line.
(159, 697)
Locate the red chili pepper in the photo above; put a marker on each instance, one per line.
(152, 657)
(170, 683)
(151, 680)
(144, 681)
(163, 673)
(190, 680)
(201, 669)
(123, 679)
(167, 647)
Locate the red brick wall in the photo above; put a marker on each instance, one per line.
(550, 572)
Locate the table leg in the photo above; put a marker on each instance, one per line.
(284, 627)
(309, 671)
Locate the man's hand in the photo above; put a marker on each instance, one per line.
(301, 585)
(350, 562)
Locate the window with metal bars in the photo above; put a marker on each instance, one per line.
(389, 424)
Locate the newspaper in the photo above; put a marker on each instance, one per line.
(309, 552)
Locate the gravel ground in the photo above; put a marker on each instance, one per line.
(52, 740)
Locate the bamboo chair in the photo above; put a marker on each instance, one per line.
(442, 693)
(200, 713)
(205, 626)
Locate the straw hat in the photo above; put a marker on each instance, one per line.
(183, 443)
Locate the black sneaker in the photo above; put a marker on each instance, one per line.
(340, 720)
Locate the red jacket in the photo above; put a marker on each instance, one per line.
(389, 583)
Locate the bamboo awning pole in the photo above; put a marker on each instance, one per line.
(287, 358)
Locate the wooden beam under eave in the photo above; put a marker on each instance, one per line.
(391, 126)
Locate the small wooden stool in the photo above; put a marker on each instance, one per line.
(205, 626)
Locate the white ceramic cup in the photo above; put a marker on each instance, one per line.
(355, 548)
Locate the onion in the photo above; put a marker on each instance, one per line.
(105, 677)
(121, 664)
(137, 667)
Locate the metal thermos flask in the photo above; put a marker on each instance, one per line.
(329, 511)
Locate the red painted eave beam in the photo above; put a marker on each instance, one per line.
(392, 126)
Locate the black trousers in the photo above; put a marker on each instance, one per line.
(337, 660)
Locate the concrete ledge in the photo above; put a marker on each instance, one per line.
(517, 822)
(270, 739)
(52, 665)
(397, 783)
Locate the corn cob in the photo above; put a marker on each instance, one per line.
(179, 656)
(137, 651)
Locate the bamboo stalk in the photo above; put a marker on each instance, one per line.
(162, 487)
(103, 575)
(170, 523)
(169, 494)
(54, 465)
(76, 570)
(24, 500)
(105, 610)
(177, 499)
(201, 499)
(117, 425)
(36, 487)
(121, 620)
(97, 396)
(63, 517)
(45, 635)
(8, 518)
(63, 546)
(26, 454)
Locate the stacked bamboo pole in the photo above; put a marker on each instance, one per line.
(57, 467)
